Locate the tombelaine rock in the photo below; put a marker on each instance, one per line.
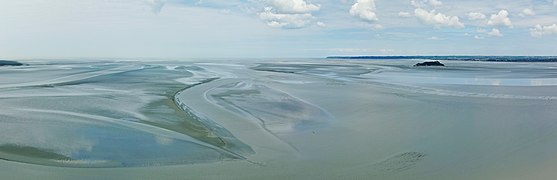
(430, 63)
(10, 63)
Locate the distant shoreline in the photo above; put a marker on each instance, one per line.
(459, 58)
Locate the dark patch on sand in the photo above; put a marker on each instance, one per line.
(400, 162)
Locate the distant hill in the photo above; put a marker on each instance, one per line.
(459, 58)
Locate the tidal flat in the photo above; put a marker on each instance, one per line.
(278, 119)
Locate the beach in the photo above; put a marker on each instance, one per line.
(278, 119)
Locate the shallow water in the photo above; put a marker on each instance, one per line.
(108, 115)
(277, 119)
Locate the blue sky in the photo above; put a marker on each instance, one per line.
(274, 28)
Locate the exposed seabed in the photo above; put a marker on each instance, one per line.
(278, 119)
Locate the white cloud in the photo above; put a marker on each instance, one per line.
(377, 26)
(437, 19)
(387, 51)
(294, 6)
(352, 50)
(423, 3)
(289, 14)
(321, 24)
(435, 3)
(434, 38)
(287, 21)
(495, 33)
(156, 5)
(555, 2)
(539, 30)
(500, 19)
(365, 10)
(416, 3)
(527, 12)
(225, 11)
(404, 14)
(476, 16)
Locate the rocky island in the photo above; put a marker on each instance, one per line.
(10, 63)
(430, 63)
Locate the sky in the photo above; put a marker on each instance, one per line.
(274, 28)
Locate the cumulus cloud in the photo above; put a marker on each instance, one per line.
(404, 14)
(287, 21)
(527, 12)
(377, 26)
(423, 3)
(539, 30)
(495, 33)
(476, 16)
(294, 6)
(437, 19)
(364, 10)
(435, 3)
(500, 19)
(290, 14)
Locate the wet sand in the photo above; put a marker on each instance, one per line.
(295, 119)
